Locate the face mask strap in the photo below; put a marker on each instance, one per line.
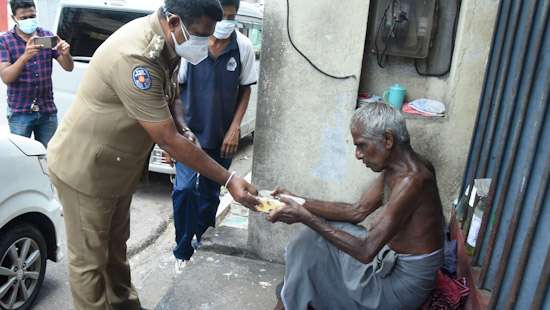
(186, 33)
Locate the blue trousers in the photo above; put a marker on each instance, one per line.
(43, 125)
(195, 200)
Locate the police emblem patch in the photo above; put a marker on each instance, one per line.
(141, 78)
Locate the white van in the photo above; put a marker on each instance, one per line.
(85, 24)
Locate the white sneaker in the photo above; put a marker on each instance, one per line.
(181, 264)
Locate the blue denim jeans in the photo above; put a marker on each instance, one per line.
(43, 125)
(195, 200)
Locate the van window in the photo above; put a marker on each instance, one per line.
(85, 28)
(254, 32)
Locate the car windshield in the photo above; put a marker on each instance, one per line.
(85, 29)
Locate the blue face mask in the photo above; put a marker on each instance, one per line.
(28, 25)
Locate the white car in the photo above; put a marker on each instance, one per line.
(30, 221)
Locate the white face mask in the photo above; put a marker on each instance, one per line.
(224, 28)
(194, 49)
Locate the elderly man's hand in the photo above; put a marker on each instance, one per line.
(280, 190)
(290, 213)
(243, 192)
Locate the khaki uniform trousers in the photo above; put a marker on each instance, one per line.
(97, 231)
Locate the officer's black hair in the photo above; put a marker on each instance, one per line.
(21, 4)
(236, 3)
(190, 10)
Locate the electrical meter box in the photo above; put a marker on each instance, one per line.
(404, 27)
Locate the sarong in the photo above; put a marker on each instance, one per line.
(320, 275)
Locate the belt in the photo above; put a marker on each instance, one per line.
(35, 107)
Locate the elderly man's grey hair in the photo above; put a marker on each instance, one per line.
(374, 119)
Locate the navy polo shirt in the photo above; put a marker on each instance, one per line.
(210, 89)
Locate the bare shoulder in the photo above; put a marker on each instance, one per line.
(413, 186)
(421, 173)
(425, 177)
(427, 165)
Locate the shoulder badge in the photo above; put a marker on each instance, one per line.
(152, 51)
(141, 78)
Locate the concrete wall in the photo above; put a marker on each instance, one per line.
(445, 141)
(302, 139)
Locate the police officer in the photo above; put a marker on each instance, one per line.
(97, 155)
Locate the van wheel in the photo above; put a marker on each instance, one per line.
(22, 266)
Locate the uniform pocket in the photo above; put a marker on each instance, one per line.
(116, 159)
(117, 171)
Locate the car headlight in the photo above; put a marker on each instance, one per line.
(43, 164)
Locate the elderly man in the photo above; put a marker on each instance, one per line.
(337, 264)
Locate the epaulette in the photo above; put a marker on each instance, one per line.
(152, 51)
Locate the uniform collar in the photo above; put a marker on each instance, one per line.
(168, 53)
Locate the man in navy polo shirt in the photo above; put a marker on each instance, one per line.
(215, 94)
(27, 70)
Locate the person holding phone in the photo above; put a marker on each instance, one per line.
(26, 54)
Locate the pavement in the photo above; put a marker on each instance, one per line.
(150, 212)
(217, 281)
(224, 275)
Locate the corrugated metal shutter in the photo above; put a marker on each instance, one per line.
(511, 145)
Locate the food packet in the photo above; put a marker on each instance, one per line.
(269, 203)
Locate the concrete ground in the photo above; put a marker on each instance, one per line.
(222, 275)
(217, 281)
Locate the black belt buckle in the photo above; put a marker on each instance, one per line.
(35, 107)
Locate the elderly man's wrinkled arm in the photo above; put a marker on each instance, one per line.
(390, 221)
(346, 212)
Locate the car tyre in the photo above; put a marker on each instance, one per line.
(23, 255)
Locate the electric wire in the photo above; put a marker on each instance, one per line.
(304, 56)
(381, 57)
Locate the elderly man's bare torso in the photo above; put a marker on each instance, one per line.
(422, 231)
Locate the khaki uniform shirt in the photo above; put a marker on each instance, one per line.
(100, 148)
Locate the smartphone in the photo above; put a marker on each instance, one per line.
(46, 42)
